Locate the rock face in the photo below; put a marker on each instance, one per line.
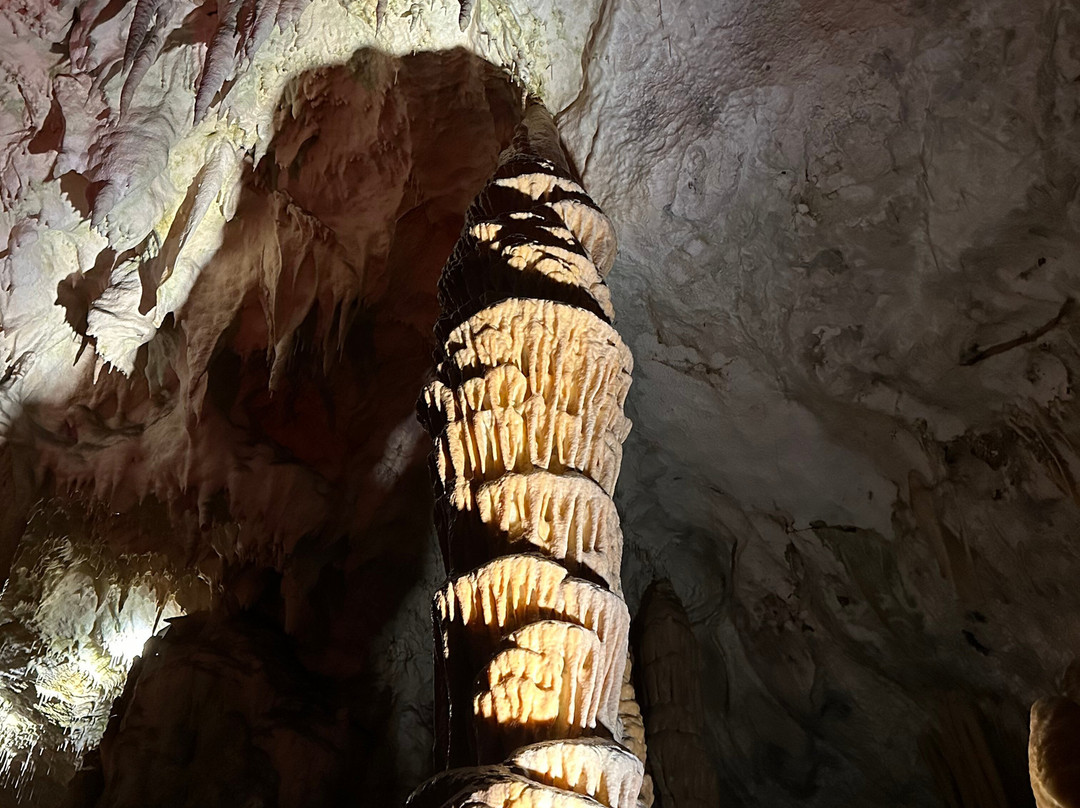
(847, 251)
(849, 238)
(526, 416)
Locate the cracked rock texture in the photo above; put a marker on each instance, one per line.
(849, 246)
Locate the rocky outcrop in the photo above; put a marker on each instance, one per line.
(526, 416)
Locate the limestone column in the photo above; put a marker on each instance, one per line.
(526, 417)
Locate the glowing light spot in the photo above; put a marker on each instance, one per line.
(128, 644)
(70, 629)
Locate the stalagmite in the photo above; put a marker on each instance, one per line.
(607, 772)
(671, 693)
(1054, 746)
(526, 417)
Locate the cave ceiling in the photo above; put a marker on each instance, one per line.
(849, 255)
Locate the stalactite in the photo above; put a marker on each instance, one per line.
(526, 417)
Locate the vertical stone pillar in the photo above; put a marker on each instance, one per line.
(526, 416)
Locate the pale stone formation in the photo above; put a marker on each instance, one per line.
(533, 697)
(630, 719)
(607, 772)
(565, 516)
(1054, 745)
(529, 385)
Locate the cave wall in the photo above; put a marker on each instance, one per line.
(848, 285)
(848, 251)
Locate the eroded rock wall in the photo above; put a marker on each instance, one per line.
(848, 259)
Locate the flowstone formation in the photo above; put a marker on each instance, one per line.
(526, 415)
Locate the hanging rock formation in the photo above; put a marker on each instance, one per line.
(526, 415)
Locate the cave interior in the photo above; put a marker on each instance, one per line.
(847, 271)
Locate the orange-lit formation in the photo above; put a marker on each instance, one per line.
(1054, 745)
(534, 704)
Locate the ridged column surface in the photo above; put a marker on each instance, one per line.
(526, 418)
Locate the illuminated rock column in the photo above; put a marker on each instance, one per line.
(527, 420)
(1054, 746)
